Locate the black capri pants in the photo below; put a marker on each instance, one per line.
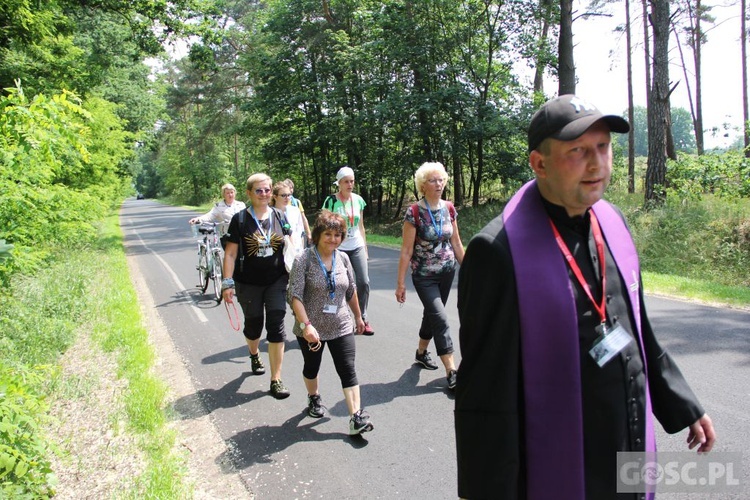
(343, 350)
(254, 299)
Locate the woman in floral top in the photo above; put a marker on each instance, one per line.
(320, 288)
(431, 246)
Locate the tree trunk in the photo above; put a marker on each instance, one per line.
(658, 106)
(647, 48)
(743, 38)
(698, 78)
(566, 70)
(546, 7)
(631, 115)
(458, 190)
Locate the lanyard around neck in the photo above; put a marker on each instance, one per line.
(351, 204)
(330, 275)
(437, 225)
(599, 240)
(266, 236)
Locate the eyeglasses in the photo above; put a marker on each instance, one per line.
(262, 191)
(435, 181)
(286, 195)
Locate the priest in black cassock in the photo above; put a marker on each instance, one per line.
(560, 366)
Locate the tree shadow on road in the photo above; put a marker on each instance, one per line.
(261, 444)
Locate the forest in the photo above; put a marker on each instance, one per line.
(105, 98)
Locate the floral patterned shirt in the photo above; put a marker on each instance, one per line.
(433, 251)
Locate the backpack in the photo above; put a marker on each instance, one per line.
(329, 202)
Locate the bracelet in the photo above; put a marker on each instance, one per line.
(227, 283)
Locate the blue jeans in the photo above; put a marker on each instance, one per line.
(358, 258)
(433, 291)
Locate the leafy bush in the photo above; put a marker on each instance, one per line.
(56, 176)
(25, 470)
(726, 175)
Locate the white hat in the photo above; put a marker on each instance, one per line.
(343, 172)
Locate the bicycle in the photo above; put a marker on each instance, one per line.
(210, 256)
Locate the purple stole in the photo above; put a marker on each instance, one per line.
(549, 341)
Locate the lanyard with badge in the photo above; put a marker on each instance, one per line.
(436, 225)
(330, 276)
(352, 228)
(610, 341)
(264, 247)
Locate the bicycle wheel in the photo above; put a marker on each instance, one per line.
(217, 274)
(203, 269)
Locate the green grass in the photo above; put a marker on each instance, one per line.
(121, 331)
(695, 289)
(84, 291)
(680, 245)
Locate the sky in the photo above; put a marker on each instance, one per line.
(600, 59)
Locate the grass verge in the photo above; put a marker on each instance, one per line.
(77, 359)
(655, 283)
(697, 290)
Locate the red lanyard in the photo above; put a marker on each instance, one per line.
(599, 240)
(351, 204)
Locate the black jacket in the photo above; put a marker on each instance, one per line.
(489, 420)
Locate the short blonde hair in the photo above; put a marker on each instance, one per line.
(229, 187)
(257, 178)
(426, 170)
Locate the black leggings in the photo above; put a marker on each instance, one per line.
(343, 350)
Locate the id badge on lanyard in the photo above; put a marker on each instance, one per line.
(609, 344)
(611, 341)
(265, 250)
(330, 277)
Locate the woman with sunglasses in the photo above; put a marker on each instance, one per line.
(320, 287)
(254, 258)
(350, 205)
(282, 199)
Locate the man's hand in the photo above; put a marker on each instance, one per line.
(702, 432)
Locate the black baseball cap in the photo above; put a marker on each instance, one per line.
(566, 118)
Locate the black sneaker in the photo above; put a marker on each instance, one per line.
(257, 365)
(315, 406)
(452, 379)
(425, 360)
(359, 423)
(278, 390)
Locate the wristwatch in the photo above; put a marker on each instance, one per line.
(303, 324)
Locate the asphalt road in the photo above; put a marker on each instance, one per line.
(281, 453)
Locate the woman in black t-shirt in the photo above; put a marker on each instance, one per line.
(254, 258)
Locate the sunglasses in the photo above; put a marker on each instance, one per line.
(262, 191)
(287, 195)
